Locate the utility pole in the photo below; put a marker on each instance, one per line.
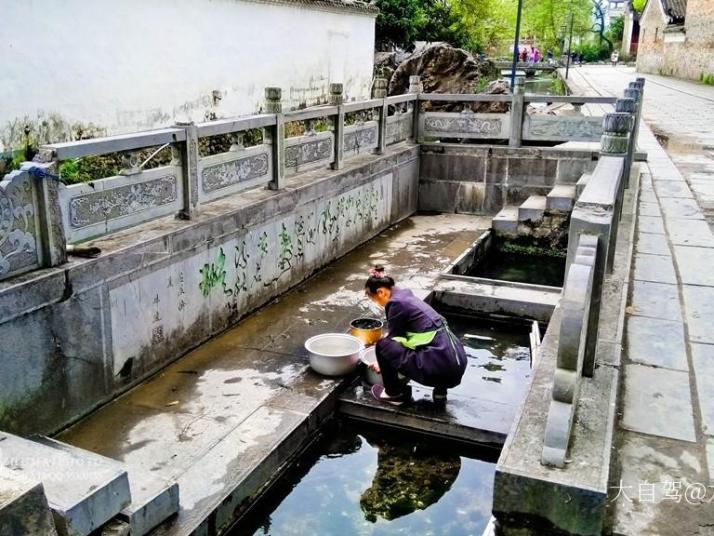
(570, 42)
(515, 46)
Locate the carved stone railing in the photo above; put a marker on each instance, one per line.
(591, 245)
(516, 125)
(136, 195)
(575, 310)
(30, 234)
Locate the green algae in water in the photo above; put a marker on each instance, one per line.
(536, 270)
(371, 481)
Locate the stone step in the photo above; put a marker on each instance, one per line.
(506, 221)
(23, 506)
(561, 198)
(153, 499)
(83, 490)
(581, 184)
(532, 208)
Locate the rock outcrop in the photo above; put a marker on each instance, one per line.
(445, 69)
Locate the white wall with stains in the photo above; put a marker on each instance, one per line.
(125, 65)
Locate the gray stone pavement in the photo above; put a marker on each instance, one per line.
(681, 114)
(664, 477)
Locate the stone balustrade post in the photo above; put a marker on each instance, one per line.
(517, 113)
(634, 92)
(615, 142)
(379, 91)
(416, 87)
(628, 106)
(189, 166)
(52, 246)
(379, 88)
(338, 131)
(276, 135)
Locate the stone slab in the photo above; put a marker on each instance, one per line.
(676, 188)
(464, 418)
(658, 402)
(673, 207)
(656, 342)
(650, 467)
(582, 183)
(532, 208)
(23, 506)
(703, 363)
(561, 198)
(656, 300)
(696, 265)
(699, 312)
(650, 224)
(656, 268)
(689, 232)
(648, 196)
(83, 489)
(649, 209)
(710, 458)
(506, 221)
(652, 244)
(153, 499)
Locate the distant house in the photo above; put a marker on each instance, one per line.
(677, 38)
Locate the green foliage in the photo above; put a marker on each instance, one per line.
(707, 79)
(639, 5)
(397, 23)
(594, 51)
(616, 28)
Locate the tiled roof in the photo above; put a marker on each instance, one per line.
(675, 9)
(355, 6)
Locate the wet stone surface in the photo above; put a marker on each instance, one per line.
(220, 411)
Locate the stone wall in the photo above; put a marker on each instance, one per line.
(684, 52)
(100, 326)
(481, 179)
(133, 65)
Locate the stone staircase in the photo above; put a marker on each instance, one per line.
(539, 215)
(74, 492)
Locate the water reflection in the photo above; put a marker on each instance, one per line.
(369, 481)
(407, 480)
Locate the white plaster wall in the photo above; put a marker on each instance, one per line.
(137, 64)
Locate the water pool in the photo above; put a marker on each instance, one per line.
(368, 480)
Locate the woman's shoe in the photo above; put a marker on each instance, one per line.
(380, 394)
(439, 395)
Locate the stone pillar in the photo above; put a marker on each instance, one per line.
(635, 93)
(379, 88)
(615, 141)
(415, 85)
(383, 118)
(517, 112)
(628, 106)
(276, 135)
(53, 244)
(189, 166)
(338, 131)
(336, 94)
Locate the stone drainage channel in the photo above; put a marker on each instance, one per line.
(238, 422)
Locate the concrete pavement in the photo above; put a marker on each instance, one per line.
(664, 476)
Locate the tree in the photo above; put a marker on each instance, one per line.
(397, 23)
(599, 24)
(616, 28)
(639, 5)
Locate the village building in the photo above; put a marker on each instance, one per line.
(677, 38)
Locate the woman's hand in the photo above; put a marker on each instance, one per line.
(375, 367)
